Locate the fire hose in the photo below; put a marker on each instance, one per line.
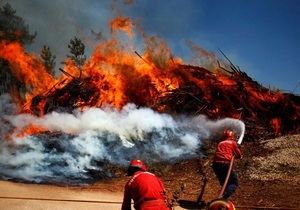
(227, 177)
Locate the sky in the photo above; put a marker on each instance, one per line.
(261, 37)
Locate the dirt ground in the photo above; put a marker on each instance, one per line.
(269, 178)
(269, 175)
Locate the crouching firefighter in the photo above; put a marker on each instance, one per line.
(145, 189)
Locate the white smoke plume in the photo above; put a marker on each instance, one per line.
(79, 145)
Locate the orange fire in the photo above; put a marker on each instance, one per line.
(116, 74)
(119, 73)
(122, 23)
(26, 69)
(29, 130)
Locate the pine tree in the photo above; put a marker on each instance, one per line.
(13, 27)
(77, 49)
(48, 60)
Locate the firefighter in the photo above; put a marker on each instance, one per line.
(225, 151)
(146, 189)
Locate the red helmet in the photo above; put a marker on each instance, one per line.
(137, 164)
(220, 204)
(228, 134)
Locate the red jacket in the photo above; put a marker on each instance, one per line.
(225, 150)
(143, 186)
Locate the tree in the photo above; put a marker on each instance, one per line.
(13, 27)
(48, 60)
(77, 53)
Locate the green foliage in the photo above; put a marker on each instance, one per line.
(77, 49)
(13, 27)
(48, 60)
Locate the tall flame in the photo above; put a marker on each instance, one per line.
(26, 68)
(116, 74)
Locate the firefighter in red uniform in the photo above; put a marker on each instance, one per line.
(226, 149)
(146, 189)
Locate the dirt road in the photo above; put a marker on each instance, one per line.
(20, 196)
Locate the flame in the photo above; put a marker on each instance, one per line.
(122, 23)
(275, 124)
(116, 75)
(119, 73)
(26, 68)
(29, 130)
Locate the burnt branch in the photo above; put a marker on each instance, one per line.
(66, 73)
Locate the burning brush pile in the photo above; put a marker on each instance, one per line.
(121, 105)
(179, 89)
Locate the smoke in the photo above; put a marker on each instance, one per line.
(79, 145)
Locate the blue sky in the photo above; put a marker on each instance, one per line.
(262, 37)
